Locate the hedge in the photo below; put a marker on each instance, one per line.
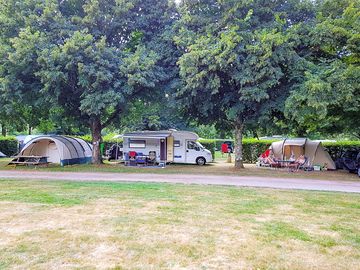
(253, 148)
(9, 145)
(336, 149)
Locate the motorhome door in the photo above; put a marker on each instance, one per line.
(192, 151)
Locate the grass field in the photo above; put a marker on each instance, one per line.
(73, 225)
(220, 167)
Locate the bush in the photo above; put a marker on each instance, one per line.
(253, 148)
(9, 145)
(336, 149)
(210, 145)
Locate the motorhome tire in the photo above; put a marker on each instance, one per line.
(200, 161)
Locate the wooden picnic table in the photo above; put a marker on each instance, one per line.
(29, 160)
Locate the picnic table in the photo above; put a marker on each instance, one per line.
(29, 160)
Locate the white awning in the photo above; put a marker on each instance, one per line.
(146, 137)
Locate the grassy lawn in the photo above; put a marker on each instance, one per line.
(220, 167)
(72, 225)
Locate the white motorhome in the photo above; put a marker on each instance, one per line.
(170, 146)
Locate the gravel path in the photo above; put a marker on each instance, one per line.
(246, 181)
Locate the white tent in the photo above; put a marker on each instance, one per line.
(59, 149)
(313, 150)
(2, 155)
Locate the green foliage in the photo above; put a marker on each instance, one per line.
(253, 148)
(326, 97)
(8, 145)
(237, 61)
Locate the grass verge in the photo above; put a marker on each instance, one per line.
(71, 225)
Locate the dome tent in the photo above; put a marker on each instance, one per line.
(2, 155)
(313, 150)
(59, 149)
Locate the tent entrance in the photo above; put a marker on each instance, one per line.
(297, 150)
(53, 153)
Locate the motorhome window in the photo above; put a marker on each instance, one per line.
(176, 143)
(191, 145)
(137, 144)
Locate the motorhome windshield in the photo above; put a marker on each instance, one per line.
(200, 145)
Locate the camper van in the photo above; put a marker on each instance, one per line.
(169, 146)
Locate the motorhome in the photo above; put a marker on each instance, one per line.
(169, 146)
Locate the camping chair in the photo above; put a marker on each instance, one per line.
(299, 162)
(152, 158)
(274, 163)
(132, 158)
(140, 159)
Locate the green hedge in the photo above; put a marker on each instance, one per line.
(9, 145)
(253, 148)
(336, 149)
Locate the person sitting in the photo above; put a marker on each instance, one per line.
(274, 162)
(300, 161)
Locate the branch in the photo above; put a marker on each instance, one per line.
(118, 110)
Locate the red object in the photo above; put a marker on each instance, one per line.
(224, 148)
(266, 154)
(132, 154)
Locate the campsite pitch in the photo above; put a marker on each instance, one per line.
(218, 168)
(72, 225)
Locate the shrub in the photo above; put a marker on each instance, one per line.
(9, 145)
(253, 148)
(210, 145)
(336, 149)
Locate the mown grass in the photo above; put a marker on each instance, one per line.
(72, 225)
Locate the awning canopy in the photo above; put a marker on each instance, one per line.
(295, 142)
(147, 135)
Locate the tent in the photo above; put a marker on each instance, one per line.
(2, 155)
(59, 149)
(313, 150)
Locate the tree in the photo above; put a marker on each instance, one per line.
(326, 97)
(19, 85)
(236, 65)
(93, 58)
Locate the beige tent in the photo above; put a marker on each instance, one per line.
(313, 150)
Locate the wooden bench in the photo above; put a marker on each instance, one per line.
(29, 161)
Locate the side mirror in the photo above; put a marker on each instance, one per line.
(197, 148)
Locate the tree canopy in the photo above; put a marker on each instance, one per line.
(248, 67)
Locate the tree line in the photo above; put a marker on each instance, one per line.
(239, 66)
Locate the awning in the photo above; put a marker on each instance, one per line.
(295, 142)
(147, 135)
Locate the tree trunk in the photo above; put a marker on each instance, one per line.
(3, 130)
(30, 130)
(239, 126)
(96, 139)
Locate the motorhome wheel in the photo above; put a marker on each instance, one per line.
(200, 161)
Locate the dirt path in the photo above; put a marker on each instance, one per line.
(247, 181)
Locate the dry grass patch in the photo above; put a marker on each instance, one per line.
(162, 226)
